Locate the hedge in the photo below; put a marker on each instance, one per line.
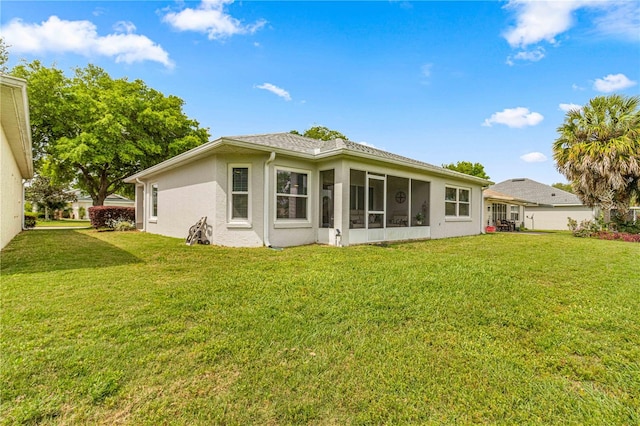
(30, 220)
(104, 216)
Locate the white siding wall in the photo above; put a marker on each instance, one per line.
(555, 218)
(11, 208)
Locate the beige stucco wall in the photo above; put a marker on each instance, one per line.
(11, 207)
(555, 218)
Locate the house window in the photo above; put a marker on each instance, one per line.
(515, 213)
(291, 194)
(327, 183)
(457, 202)
(154, 200)
(239, 194)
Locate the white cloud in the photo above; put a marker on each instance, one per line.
(527, 55)
(126, 27)
(211, 18)
(569, 107)
(621, 20)
(577, 88)
(533, 157)
(613, 82)
(514, 117)
(81, 37)
(540, 20)
(275, 90)
(426, 70)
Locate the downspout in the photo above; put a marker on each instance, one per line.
(144, 204)
(22, 221)
(265, 210)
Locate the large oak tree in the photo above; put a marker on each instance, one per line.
(598, 150)
(92, 131)
(468, 168)
(322, 133)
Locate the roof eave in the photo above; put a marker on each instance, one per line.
(16, 123)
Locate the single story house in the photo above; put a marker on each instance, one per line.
(546, 207)
(16, 161)
(84, 201)
(503, 211)
(286, 190)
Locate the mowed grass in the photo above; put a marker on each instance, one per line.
(132, 328)
(62, 223)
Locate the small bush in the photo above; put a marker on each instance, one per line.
(107, 216)
(586, 228)
(121, 225)
(625, 224)
(623, 236)
(82, 212)
(30, 220)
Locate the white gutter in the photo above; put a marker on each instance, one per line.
(265, 196)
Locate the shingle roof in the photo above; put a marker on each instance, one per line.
(311, 148)
(536, 192)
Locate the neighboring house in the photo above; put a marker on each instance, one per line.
(16, 163)
(84, 201)
(287, 190)
(546, 207)
(502, 208)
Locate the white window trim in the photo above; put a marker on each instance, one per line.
(238, 223)
(153, 218)
(457, 217)
(292, 223)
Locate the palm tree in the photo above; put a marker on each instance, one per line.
(599, 151)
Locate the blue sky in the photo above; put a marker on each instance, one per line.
(440, 82)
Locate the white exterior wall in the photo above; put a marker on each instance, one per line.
(226, 233)
(11, 207)
(185, 194)
(445, 227)
(555, 218)
(200, 188)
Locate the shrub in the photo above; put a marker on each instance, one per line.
(121, 225)
(82, 212)
(586, 228)
(107, 216)
(30, 220)
(623, 225)
(623, 236)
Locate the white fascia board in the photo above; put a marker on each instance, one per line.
(20, 114)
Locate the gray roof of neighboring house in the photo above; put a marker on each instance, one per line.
(312, 149)
(81, 196)
(536, 192)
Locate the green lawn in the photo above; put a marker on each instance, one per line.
(62, 223)
(131, 328)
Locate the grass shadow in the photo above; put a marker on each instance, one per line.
(56, 250)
